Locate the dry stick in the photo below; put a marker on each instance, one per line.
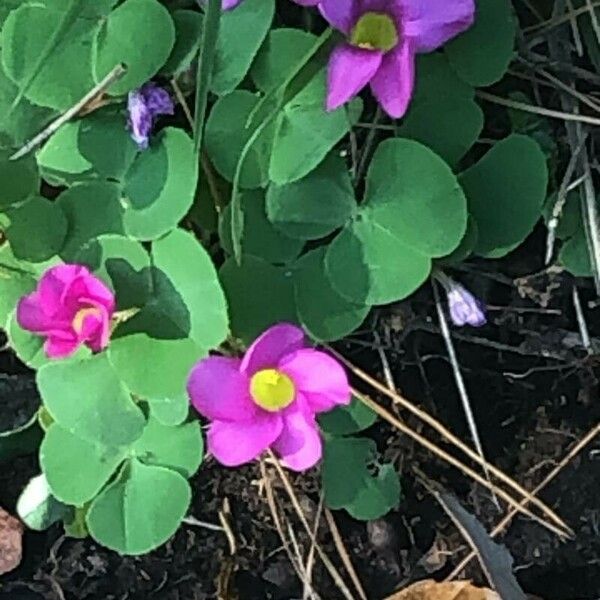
(294, 500)
(581, 322)
(98, 89)
(555, 21)
(538, 110)
(450, 437)
(382, 412)
(344, 556)
(298, 567)
(511, 514)
(460, 384)
(310, 559)
(561, 199)
(204, 160)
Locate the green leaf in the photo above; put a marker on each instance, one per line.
(306, 133)
(18, 179)
(364, 496)
(259, 295)
(378, 495)
(138, 33)
(141, 510)
(38, 508)
(160, 186)
(179, 448)
(506, 191)
(323, 312)
(241, 33)
(14, 283)
(37, 229)
(466, 246)
(87, 398)
(188, 33)
(123, 264)
(482, 54)
(345, 420)
(153, 368)
(315, 205)
(23, 121)
(412, 191)
(283, 49)
(260, 238)
(92, 209)
(437, 79)
(191, 271)
(61, 154)
(447, 125)
(76, 469)
(226, 135)
(170, 411)
(369, 263)
(206, 59)
(36, 63)
(575, 255)
(104, 141)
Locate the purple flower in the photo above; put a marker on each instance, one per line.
(383, 37)
(464, 308)
(268, 399)
(144, 105)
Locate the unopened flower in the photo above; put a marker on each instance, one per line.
(70, 307)
(268, 399)
(382, 39)
(464, 308)
(144, 105)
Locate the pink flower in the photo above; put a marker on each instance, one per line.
(70, 307)
(383, 37)
(268, 399)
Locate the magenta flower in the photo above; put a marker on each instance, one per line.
(268, 399)
(70, 307)
(145, 105)
(383, 37)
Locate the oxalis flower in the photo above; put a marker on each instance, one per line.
(268, 399)
(383, 37)
(144, 105)
(70, 307)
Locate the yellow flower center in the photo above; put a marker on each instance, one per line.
(272, 390)
(81, 316)
(375, 31)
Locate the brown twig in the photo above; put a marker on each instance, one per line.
(392, 420)
(582, 443)
(450, 437)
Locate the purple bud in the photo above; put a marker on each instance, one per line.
(464, 308)
(144, 105)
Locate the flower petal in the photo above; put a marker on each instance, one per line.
(318, 377)
(341, 14)
(431, 23)
(30, 315)
(299, 445)
(268, 349)
(219, 391)
(350, 69)
(55, 347)
(234, 444)
(54, 282)
(394, 82)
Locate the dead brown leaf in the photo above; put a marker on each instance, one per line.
(11, 549)
(451, 590)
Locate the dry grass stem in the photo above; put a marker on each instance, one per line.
(450, 437)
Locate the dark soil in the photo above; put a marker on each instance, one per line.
(534, 392)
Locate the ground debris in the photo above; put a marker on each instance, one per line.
(450, 590)
(11, 549)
